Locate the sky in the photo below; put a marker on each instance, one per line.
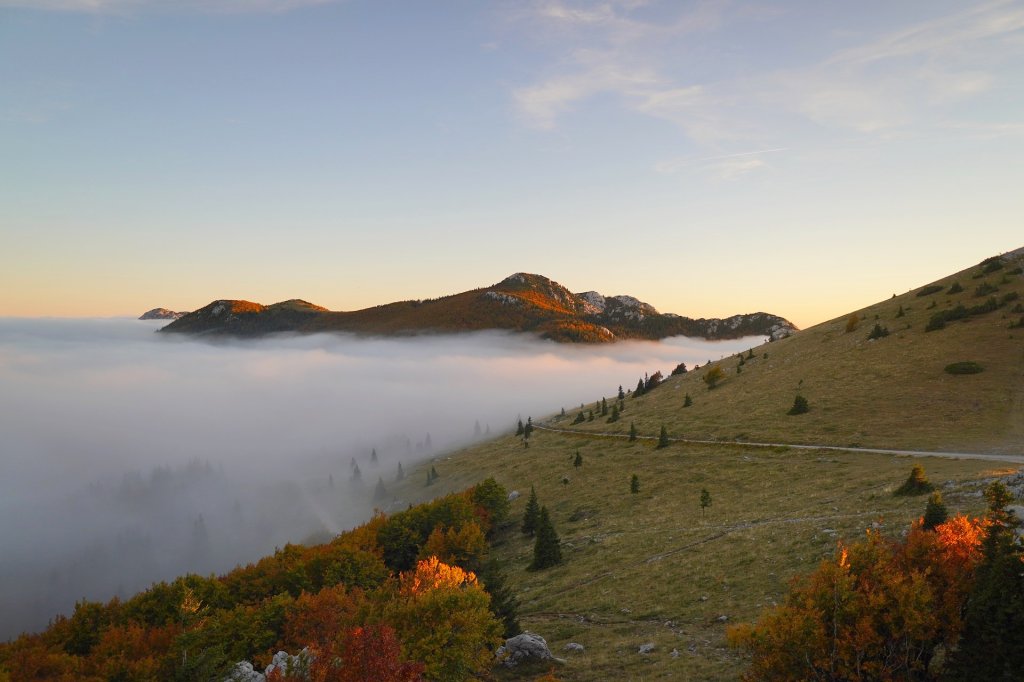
(711, 158)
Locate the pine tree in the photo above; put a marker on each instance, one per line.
(504, 604)
(634, 484)
(615, 415)
(916, 484)
(380, 492)
(578, 462)
(935, 512)
(687, 401)
(373, 455)
(580, 418)
(356, 474)
(519, 428)
(705, 500)
(433, 474)
(799, 406)
(528, 429)
(529, 526)
(401, 474)
(604, 407)
(547, 548)
(590, 416)
(632, 432)
(663, 441)
(622, 395)
(639, 389)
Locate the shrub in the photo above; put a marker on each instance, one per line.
(929, 290)
(935, 513)
(663, 441)
(713, 376)
(916, 484)
(800, 405)
(1009, 298)
(680, 369)
(878, 332)
(984, 289)
(687, 401)
(955, 289)
(992, 264)
(964, 367)
(851, 322)
(634, 484)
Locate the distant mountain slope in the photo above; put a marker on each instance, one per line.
(521, 302)
(890, 391)
(161, 314)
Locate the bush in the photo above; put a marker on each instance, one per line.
(916, 484)
(851, 322)
(955, 289)
(878, 332)
(929, 290)
(680, 369)
(965, 367)
(713, 376)
(992, 264)
(800, 405)
(984, 289)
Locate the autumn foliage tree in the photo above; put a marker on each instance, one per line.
(881, 610)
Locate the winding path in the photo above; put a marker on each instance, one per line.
(1015, 459)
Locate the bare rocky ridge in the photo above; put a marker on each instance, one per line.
(521, 302)
(161, 314)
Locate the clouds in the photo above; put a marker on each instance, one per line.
(133, 6)
(677, 63)
(118, 443)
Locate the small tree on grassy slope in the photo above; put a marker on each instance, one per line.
(663, 441)
(634, 484)
(935, 513)
(800, 406)
(916, 484)
(705, 501)
(547, 548)
(531, 514)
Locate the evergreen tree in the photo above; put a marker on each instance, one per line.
(705, 500)
(604, 407)
(401, 474)
(935, 512)
(590, 416)
(547, 548)
(916, 484)
(632, 432)
(504, 604)
(799, 406)
(373, 455)
(687, 401)
(356, 474)
(476, 427)
(615, 414)
(992, 644)
(750, 354)
(634, 484)
(433, 474)
(578, 462)
(529, 526)
(380, 492)
(528, 430)
(663, 441)
(639, 389)
(519, 428)
(622, 395)
(580, 418)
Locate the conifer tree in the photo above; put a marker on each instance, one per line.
(578, 462)
(916, 484)
(547, 548)
(639, 389)
(373, 455)
(504, 604)
(632, 432)
(519, 428)
(380, 492)
(799, 406)
(687, 401)
(935, 512)
(529, 526)
(580, 418)
(433, 474)
(590, 416)
(705, 500)
(615, 414)
(622, 395)
(663, 441)
(634, 484)
(401, 474)
(604, 407)
(356, 474)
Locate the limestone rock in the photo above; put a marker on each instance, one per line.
(524, 648)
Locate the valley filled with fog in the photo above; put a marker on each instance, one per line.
(128, 457)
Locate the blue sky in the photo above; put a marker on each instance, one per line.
(803, 158)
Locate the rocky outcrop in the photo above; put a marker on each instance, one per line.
(527, 647)
(161, 314)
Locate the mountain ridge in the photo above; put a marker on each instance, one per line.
(521, 302)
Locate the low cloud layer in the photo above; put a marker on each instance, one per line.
(130, 457)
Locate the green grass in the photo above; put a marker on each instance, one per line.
(651, 568)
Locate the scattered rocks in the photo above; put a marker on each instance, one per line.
(675, 653)
(721, 619)
(244, 672)
(647, 648)
(514, 495)
(575, 647)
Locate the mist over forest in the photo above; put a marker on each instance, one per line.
(127, 457)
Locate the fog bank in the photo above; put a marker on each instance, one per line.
(129, 457)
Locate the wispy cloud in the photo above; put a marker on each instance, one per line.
(130, 6)
(721, 166)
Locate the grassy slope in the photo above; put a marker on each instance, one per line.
(649, 568)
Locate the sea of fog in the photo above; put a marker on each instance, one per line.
(128, 457)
